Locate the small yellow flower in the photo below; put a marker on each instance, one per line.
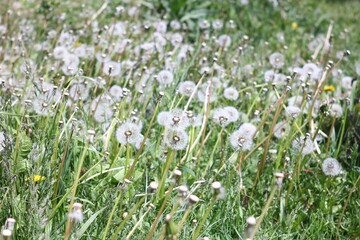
(38, 178)
(294, 25)
(330, 88)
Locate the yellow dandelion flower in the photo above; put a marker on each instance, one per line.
(38, 178)
(294, 25)
(329, 88)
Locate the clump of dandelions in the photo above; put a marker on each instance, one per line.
(331, 167)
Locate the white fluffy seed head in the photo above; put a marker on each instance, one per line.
(128, 133)
(331, 167)
(240, 140)
(186, 88)
(231, 93)
(277, 60)
(176, 139)
(304, 145)
(251, 221)
(165, 77)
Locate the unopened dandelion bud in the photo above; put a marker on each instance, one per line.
(171, 228)
(10, 224)
(219, 191)
(6, 233)
(76, 215)
(91, 134)
(153, 186)
(279, 180)
(272, 151)
(193, 199)
(183, 190)
(347, 100)
(177, 175)
(216, 186)
(251, 222)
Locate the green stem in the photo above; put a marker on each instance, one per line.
(75, 185)
(203, 219)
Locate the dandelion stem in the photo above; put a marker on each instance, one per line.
(153, 226)
(264, 211)
(204, 218)
(75, 185)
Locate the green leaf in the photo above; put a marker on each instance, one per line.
(86, 225)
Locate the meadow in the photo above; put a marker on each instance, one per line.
(179, 119)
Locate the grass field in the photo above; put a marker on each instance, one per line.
(180, 119)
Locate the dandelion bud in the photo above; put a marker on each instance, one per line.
(219, 191)
(183, 190)
(91, 134)
(251, 222)
(153, 186)
(171, 228)
(10, 224)
(6, 233)
(279, 179)
(347, 53)
(76, 214)
(193, 199)
(177, 175)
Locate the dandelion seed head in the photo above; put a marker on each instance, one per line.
(176, 139)
(165, 77)
(346, 82)
(248, 129)
(233, 113)
(277, 60)
(304, 145)
(239, 140)
(221, 117)
(231, 93)
(186, 88)
(224, 40)
(103, 113)
(331, 167)
(293, 111)
(281, 129)
(336, 110)
(128, 133)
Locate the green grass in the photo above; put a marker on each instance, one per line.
(52, 160)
